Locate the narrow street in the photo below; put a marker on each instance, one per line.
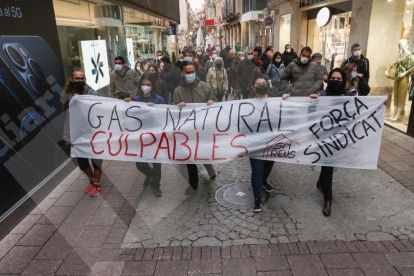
(126, 231)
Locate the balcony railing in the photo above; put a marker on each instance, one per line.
(229, 11)
(305, 3)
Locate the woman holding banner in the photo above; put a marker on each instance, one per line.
(76, 85)
(261, 169)
(147, 93)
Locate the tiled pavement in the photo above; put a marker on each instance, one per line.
(70, 233)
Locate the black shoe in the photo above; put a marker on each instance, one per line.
(194, 185)
(157, 192)
(257, 206)
(147, 181)
(319, 186)
(327, 208)
(268, 188)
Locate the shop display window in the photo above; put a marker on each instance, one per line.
(332, 40)
(395, 39)
(92, 33)
(285, 25)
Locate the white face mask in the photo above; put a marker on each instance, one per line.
(146, 89)
(214, 56)
(304, 60)
(288, 50)
(159, 57)
(241, 58)
(278, 60)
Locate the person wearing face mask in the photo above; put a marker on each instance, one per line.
(159, 57)
(189, 54)
(217, 79)
(236, 85)
(261, 169)
(76, 85)
(123, 80)
(355, 86)
(207, 55)
(171, 77)
(193, 90)
(147, 94)
(160, 84)
(210, 62)
(317, 57)
(199, 52)
(179, 61)
(244, 73)
(303, 75)
(276, 68)
(258, 49)
(289, 55)
(360, 60)
(199, 69)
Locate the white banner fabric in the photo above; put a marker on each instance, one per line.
(331, 131)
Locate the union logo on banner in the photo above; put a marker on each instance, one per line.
(280, 147)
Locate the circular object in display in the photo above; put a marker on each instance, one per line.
(323, 17)
(268, 21)
(238, 196)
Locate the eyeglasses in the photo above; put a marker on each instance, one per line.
(79, 79)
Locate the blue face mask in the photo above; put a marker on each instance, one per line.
(190, 77)
(357, 53)
(188, 59)
(354, 75)
(250, 57)
(118, 67)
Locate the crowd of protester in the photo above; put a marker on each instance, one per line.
(211, 76)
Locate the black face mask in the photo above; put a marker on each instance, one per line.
(79, 85)
(335, 87)
(218, 65)
(261, 90)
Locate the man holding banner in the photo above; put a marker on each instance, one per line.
(339, 132)
(193, 90)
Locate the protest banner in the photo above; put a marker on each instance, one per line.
(331, 131)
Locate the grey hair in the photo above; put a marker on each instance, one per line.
(218, 58)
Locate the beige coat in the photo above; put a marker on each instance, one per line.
(196, 92)
(212, 81)
(124, 86)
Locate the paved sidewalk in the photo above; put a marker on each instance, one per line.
(126, 231)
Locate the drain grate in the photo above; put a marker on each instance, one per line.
(237, 196)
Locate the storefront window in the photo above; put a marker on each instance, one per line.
(285, 23)
(93, 33)
(390, 48)
(332, 40)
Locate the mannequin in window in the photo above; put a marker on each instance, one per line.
(400, 72)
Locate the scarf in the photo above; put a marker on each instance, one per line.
(219, 79)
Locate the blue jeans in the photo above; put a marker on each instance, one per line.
(261, 170)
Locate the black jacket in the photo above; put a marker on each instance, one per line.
(177, 64)
(363, 87)
(171, 77)
(362, 64)
(201, 75)
(288, 57)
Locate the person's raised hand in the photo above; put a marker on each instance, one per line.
(210, 102)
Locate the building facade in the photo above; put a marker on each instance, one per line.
(87, 34)
(377, 25)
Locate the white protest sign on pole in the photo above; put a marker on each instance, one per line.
(331, 131)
